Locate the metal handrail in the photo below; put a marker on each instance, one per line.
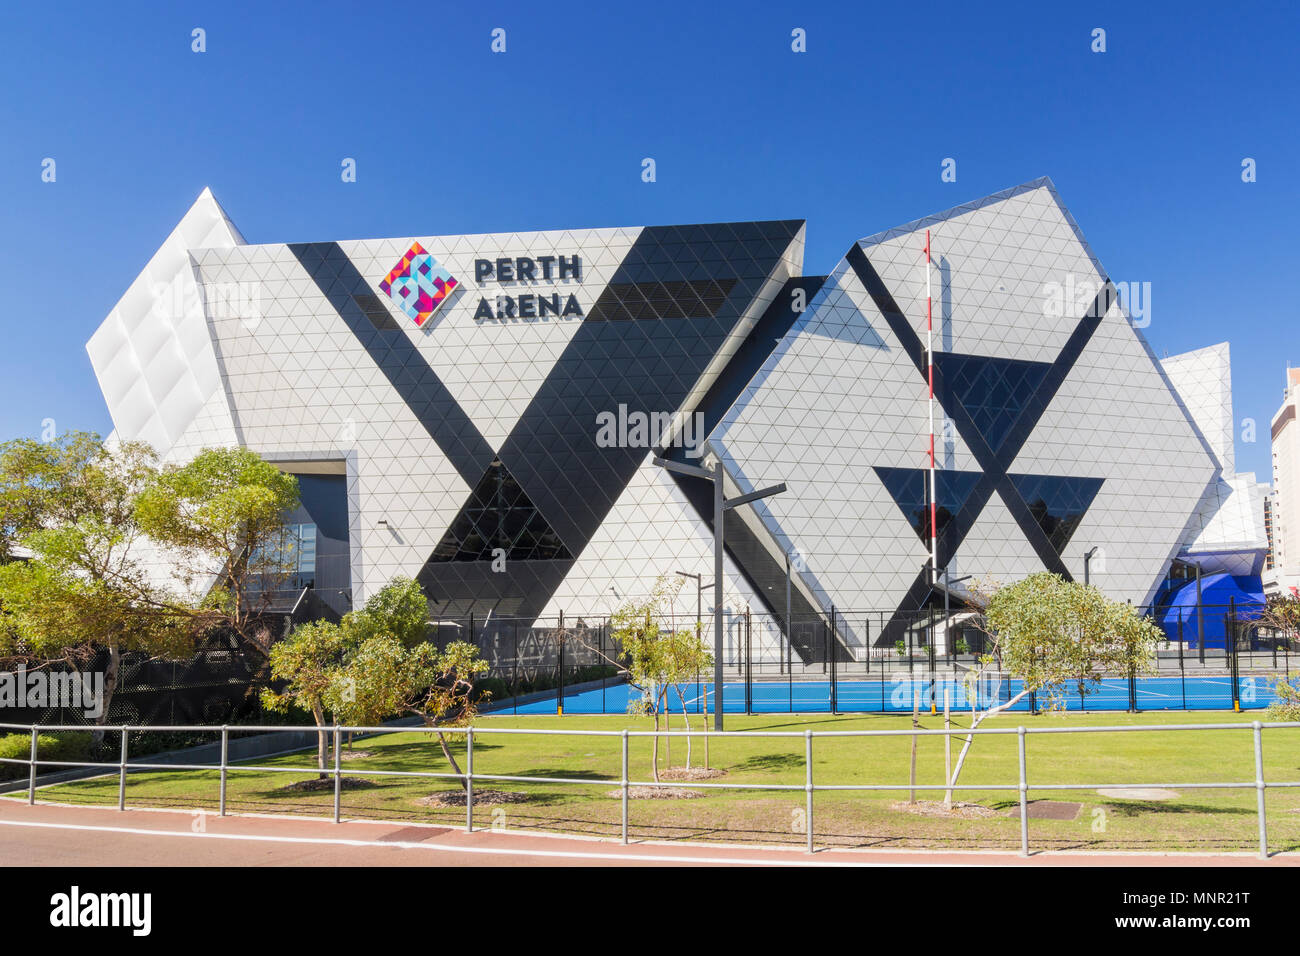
(469, 776)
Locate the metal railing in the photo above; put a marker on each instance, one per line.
(468, 777)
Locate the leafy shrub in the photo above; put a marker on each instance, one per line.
(65, 746)
(1287, 705)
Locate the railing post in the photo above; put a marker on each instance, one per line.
(338, 775)
(31, 771)
(469, 780)
(1024, 795)
(225, 753)
(625, 794)
(808, 786)
(121, 774)
(1259, 790)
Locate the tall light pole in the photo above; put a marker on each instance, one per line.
(721, 505)
(699, 622)
(1087, 557)
(699, 598)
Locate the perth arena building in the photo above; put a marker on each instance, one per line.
(482, 413)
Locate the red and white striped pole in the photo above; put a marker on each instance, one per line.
(929, 358)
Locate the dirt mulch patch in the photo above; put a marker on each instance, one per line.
(316, 785)
(929, 808)
(655, 793)
(695, 773)
(482, 798)
(346, 755)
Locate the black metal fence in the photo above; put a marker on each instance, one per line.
(1214, 657)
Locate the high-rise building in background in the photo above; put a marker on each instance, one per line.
(1284, 577)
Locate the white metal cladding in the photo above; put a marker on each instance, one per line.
(840, 397)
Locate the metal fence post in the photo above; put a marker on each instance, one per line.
(31, 771)
(834, 646)
(749, 663)
(1024, 795)
(625, 794)
(1259, 790)
(1230, 639)
(1182, 667)
(808, 786)
(121, 774)
(225, 752)
(559, 696)
(469, 780)
(338, 775)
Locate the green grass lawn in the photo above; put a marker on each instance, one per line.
(1204, 820)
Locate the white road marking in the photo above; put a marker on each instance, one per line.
(489, 851)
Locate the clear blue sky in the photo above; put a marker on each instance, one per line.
(1145, 143)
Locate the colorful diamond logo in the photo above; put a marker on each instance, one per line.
(418, 284)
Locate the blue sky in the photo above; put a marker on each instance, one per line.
(1144, 142)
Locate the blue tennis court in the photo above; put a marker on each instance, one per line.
(894, 695)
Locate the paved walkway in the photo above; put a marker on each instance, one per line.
(54, 835)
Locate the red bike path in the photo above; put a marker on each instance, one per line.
(61, 835)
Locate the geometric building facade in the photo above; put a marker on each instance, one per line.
(481, 412)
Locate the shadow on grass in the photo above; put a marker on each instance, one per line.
(1133, 808)
(769, 762)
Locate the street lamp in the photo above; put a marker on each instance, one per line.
(1087, 557)
(721, 505)
(699, 598)
(699, 619)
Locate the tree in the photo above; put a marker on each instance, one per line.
(399, 609)
(344, 669)
(1048, 632)
(84, 584)
(385, 678)
(658, 658)
(1282, 613)
(309, 661)
(44, 483)
(221, 520)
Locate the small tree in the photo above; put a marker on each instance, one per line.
(384, 678)
(344, 669)
(310, 661)
(658, 658)
(683, 657)
(1048, 632)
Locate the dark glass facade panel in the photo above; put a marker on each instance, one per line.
(498, 515)
(662, 300)
(373, 308)
(993, 391)
(909, 488)
(1058, 504)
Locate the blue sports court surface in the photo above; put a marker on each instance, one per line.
(895, 695)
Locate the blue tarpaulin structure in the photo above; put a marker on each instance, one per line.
(1217, 591)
